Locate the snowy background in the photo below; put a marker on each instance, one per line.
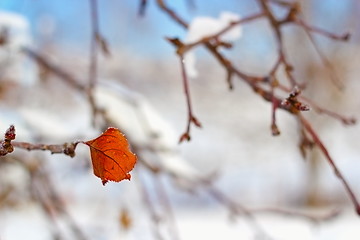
(140, 85)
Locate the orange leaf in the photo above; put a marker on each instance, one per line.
(111, 157)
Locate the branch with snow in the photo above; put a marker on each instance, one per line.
(261, 84)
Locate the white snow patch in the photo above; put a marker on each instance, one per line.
(202, 27)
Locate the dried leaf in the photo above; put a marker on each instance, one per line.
(111, 157)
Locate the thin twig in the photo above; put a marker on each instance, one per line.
(274, 128)
(216, 36)
(191, 117)
(330, 160)
(149, 207)
(93, 43)
(50, 200)
(171, 13)
(165, 202)
(93, 58)
(275, 104)
(276, 26)
(237, 209)
(54, 69)
(333, 76)
(316, 218)
(338, 37)
(292, 107)
(321, 110)
(66, 148)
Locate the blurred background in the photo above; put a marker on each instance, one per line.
(232, 160)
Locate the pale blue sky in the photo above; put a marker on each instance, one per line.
(123, 28)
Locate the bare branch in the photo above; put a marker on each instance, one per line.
(93, 58)
(331, 162)
(171, 13)
(66, 148)
(237, 209)
(191, 117)
(316, 218)
(290, 104)
(215, 37)
(333, 76)
(307, 28)
(45, 63)
(321, 110)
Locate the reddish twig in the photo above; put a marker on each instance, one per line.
(276, 26)
(290, 104)
(338, 37)
(171, 13)
(321, 110)
(226, 63)
(191, 117)
(319, 143)
(344, 120)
